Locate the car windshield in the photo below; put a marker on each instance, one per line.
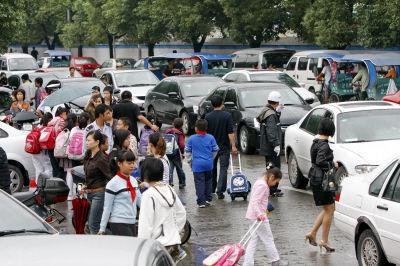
(64, 73)
(22, 64)
(59, 61)
(220, 64)
(198, 87)
(356, 126)
(130, 79)
(88, 60)
(275, 77)
(257, 97)
(126, 63)
(15, 217)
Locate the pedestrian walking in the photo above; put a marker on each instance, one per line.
(175, 160)
(100, 114)
(34, 53)
(145, 132)
(257, 210)
(94, 101)
(200, 151)
(322, 161)
(28, 87)
(157, 148)
(126, 108)
(71, 72)
(271, 134)
(162, 214)
(98, 173)
(122, 197)
(124, 123)
(220, 125)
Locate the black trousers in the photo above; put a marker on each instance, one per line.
(276, 162)
(120, 229)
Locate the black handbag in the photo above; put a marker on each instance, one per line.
(329, 183)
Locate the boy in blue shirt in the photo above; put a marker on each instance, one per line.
(200, 151)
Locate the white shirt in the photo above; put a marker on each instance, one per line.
(327, 74)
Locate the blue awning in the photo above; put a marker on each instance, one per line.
(334, 56)
(172, 56)
(377, 58)
(209, 56)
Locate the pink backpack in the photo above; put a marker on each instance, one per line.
(77, 146)
(62, 140)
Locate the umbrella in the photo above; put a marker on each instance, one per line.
(80, 207)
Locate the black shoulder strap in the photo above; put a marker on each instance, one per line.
(173, 196)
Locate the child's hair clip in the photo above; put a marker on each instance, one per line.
(270, 166)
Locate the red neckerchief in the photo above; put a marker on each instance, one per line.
(129, 185)
(201, 132)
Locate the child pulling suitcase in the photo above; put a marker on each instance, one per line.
(238, 184)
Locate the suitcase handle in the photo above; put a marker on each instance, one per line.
(240, 163)
(253, 228)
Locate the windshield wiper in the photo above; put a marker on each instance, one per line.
(357, 141)
(143, 84)
(22, 231)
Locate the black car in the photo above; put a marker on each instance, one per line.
(179, 96)
(246, 100)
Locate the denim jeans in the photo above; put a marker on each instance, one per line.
(223, 158)
(96, 211)
(176, 162)
(203, 185)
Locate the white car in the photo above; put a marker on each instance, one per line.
(21, 167)
(114, 64)
(17, 63)
(367, 135)
(368, 213)
(138, 82)
(272, 76)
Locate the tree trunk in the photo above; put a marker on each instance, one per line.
(150, 49)
(24, 48)
(55, 41)
(254, 43)
(197, 45)
(47, 41)
(80, 50)
(110, 45)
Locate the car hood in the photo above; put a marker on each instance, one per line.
(190, 101)
(66, 250)
(367, 151)
(138, 91)
(291, 114)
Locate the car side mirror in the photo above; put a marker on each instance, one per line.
(173, 95)
(230, 105)
(116, 91)
(309, 100)
(284, 66)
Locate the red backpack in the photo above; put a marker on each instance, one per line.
(32, 144)
(47, 138)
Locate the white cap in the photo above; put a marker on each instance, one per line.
(274, 96)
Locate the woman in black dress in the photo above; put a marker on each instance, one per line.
(322, 161)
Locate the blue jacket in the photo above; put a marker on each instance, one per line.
(202, 149)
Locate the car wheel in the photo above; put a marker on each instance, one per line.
(17, 178)
(186, 233)
(341, 174)
(312, 90)
(296, 178)
(186, 123)
(152, 111)
(244, 140)
(334, 98)
(369, 251)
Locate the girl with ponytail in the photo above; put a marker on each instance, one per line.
(157, 148)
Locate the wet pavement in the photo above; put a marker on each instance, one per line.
(224, 223)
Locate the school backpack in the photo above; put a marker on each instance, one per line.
(77, 147)
(61, 146)
(32, 144)
(47, 138)
(144, 140)
(172, 147)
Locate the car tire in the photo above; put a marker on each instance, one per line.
(369, 250)
(152, 111)
(17, 178)
(296, 178)
(340, 174)
(186, 128)
(244, 141)
(334, 98)
(312, 90)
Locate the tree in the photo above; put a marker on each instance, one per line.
(255, 21)
(378, 23)
(330, 23)
(296, 10)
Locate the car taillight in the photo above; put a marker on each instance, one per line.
(337, 196)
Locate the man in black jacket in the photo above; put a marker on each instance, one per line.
(271, 134)
(4, 172)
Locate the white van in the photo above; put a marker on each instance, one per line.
(261, 58)
(17, 63)
(305, 66)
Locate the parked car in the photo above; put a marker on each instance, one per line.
(16, 63)
(261, 58)
(61, 73)
(245, 102)
(84, 65)
(55, 59)
(21, 167)
(368, 213)
(138, 82)
(272, 76)
(114, 64)
(366, 134)
(23, 232)
(179, 96)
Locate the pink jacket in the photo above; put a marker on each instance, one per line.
(181, 138)
(258, 200)
(58, 123)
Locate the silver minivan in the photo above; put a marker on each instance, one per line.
(261, 58)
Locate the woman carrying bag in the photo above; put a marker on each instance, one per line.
(322, 169)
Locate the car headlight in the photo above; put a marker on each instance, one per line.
(365, 168)
(256, 123)
(195, 109)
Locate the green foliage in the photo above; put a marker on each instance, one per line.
(255, 21)
(296, 10)
(11, 14)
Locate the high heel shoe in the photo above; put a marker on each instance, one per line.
(311, 240)
(327, 248)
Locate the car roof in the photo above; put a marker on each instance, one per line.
(126, 71)
(57, 53)
(255, 71)
(262, 50)
(192, 77)
(16, 55)
(310, 52)
(246, 85)
(344, 107)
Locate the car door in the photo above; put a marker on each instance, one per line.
(291, 67)
(232, 106)
(174, 102)
(387, 216)
(305, 137)
(158, 99)
(206, 105)
(301, 73)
